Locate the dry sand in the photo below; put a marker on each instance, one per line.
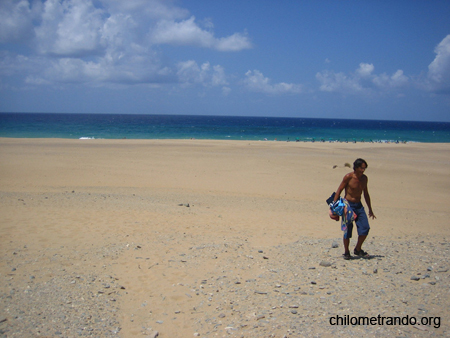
(184, 238)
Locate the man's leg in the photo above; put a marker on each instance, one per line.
(361, 239)
(346, 245)
(362, 225)
(346, 240)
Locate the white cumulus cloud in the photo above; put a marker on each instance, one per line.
(362, 80)
(187, 32)
(16, 19)
(439, 69)
(398, 79)
(255, 81)
(337, 82)
(365, 69)
(108, 41)
(189, 72)
(70, 28)
(150, 9)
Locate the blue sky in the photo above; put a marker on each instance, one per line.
(343, 59)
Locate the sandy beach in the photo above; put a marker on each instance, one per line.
(185, 238)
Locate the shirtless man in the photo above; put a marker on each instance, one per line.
(355, 184)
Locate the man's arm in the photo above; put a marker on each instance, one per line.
(337, 194)
(367, 198)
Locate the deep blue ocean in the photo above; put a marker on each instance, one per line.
(119, 126)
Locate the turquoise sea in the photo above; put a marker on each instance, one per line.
(118, 126)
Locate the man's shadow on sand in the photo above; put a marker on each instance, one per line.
(369, 257)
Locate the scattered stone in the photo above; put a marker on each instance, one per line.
(153, 334)
(335, 245)
(80, 310)
(420, 327)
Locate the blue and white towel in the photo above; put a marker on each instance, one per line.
(342, 208)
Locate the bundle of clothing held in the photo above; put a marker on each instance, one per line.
(342, 208)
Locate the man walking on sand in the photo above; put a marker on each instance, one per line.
(355, 184)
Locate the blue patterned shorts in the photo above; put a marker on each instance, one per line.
(362, 221)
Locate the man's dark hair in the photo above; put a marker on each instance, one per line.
(358, 163)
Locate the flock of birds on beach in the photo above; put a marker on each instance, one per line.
(346, 141)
